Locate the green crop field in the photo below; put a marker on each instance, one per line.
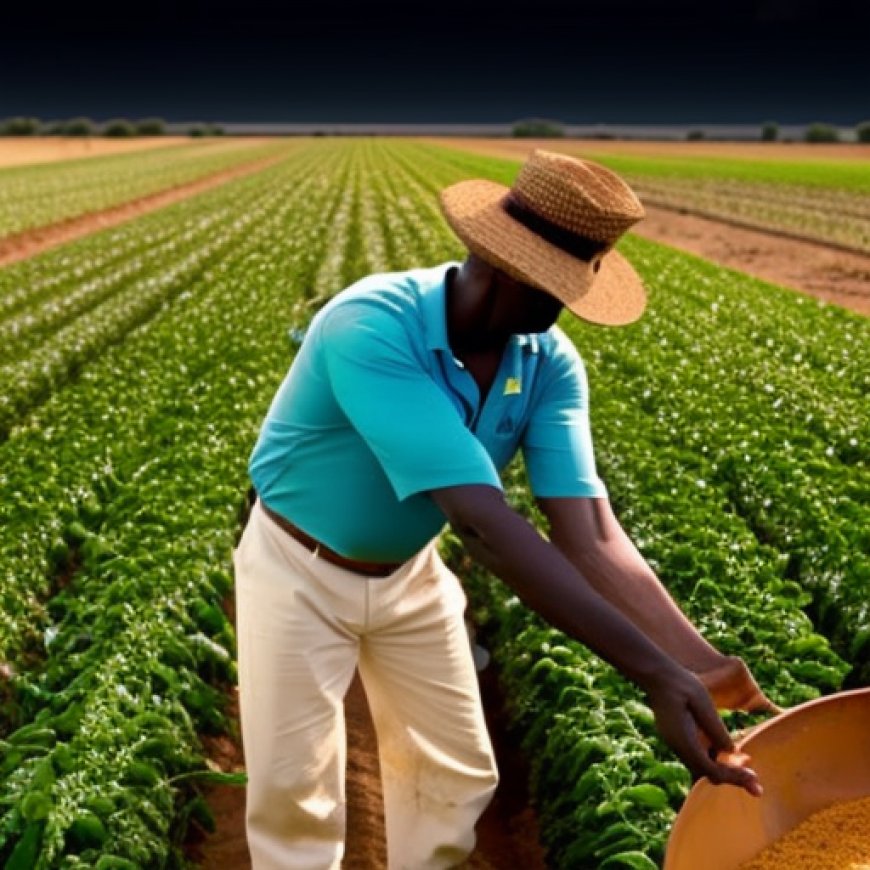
(36, 195)
(846, 175)
(731, 427)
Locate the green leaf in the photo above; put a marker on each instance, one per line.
(214, 776)
(36, 806)
(633, 860)
(646, 794)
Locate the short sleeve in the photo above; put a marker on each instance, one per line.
(557, 444)
(409, 423)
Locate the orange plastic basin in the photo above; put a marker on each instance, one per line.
(806, 758)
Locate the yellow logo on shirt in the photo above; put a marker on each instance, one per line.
(513, 387)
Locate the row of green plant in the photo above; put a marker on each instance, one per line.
(78, 317)
(46, 193)
(765, 394)
(848, 175)
(102, 767)
(827, 215)
(60, 356)
(36, 282)
(46, 464)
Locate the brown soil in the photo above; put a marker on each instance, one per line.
(507, 831)
(811, 268)
(24, 150)
(29, 243)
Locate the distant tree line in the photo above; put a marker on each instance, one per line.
(541, 128)
(538, 128)
(116, 128)
(817, 132)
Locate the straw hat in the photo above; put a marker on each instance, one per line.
(555, 229)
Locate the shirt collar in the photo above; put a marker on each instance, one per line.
(434, 307)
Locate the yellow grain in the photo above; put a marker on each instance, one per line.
(836, 838)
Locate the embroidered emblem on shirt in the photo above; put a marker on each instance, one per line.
(513, 387)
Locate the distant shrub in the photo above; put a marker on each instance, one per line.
(538, 128)
(821, 133)
(695, 135)
(862, 131)
(770, 131)
(19, 127)
(52, 128)
(118, 127)
(78, 127)
(206, 130)
(150, 127)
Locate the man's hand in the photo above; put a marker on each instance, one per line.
(732, 687)
(688, 723)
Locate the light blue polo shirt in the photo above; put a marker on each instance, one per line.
(376, 411)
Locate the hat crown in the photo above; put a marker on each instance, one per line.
(577, 195)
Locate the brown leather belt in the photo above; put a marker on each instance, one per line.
(370, 569)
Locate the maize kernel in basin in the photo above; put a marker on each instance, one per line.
(835, 838)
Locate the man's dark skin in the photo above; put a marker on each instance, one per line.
(588, 579)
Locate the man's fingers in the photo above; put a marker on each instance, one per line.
(722, 764)
(763, 704)
(735, 769)
(709, 722)
(693, 747)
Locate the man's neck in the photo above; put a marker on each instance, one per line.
(469, 313)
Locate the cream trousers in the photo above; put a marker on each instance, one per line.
(303, 626)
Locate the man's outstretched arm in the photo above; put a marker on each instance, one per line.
(588, 533)
(547, 582)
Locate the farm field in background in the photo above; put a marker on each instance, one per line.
(731, 428)
(36, 195)
(818, 193)
(779, 151)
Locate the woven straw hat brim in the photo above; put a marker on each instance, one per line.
(612, 296)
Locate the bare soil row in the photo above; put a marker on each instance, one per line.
(26, 150)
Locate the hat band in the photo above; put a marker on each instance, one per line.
(567, 240)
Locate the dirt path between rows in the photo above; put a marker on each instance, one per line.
(27, 150)
(21, 246)
(507, 834)
(815, 269)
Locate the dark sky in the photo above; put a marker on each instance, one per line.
(617, 62)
